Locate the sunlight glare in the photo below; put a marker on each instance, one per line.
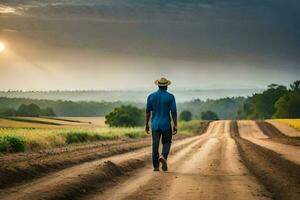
(2, 47)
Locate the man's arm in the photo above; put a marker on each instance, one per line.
(147, 128)
(148, 115)
(175, 125)
(174, 115)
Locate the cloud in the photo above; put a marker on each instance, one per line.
(254, 37)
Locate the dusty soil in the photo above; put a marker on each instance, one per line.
(279, 175)
(276, 135)
(251, 132)
(17, 168)
(22, 167)
(218, 164)
(285, 129)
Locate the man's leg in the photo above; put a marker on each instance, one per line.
(155, 148)
(166, 140)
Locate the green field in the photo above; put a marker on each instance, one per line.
(31, 134)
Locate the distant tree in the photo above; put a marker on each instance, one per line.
(22, 110)
(209, 115)
(185, 116)
(226, 108)
(9, 112)
(295, 86)
(288, 106)
(125, 116)
(34, 110)
(47, 112)
(262, 105)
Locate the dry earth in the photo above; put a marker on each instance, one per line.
(229, 161)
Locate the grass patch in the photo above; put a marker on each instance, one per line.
(42, 138)
(189, 127)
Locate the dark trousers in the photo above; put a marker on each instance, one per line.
(166, 141)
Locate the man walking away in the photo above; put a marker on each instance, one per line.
(161, 106)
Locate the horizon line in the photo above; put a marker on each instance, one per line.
(128, 90)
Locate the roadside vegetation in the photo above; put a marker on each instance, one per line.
(19, 139)
(30, 139)
(189, 127)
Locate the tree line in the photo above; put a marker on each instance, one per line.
(225, 108)
(31, 110)
(63, 108)
(277, 101)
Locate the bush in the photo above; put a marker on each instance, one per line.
(209, 115)
(76, 137)
(12, 143)
(185, 116)
(125, 116)
(4, 145)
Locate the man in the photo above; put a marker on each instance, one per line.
(162, 106)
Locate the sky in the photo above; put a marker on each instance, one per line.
(128, 44)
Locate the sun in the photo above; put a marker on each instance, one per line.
(2, 47)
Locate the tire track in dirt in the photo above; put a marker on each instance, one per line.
(250, 131)
(279, 175)
(210, 170)
(20, 168)
(16, 169)
(275, 135)
(285, 129)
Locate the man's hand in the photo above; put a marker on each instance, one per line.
(147, 129)
(174, 130)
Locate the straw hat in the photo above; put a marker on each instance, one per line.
(162, 82)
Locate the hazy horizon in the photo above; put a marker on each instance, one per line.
(128, 44)
(139, 96)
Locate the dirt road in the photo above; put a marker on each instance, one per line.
(215, 165)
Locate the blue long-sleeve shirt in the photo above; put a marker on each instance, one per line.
(162, 104)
